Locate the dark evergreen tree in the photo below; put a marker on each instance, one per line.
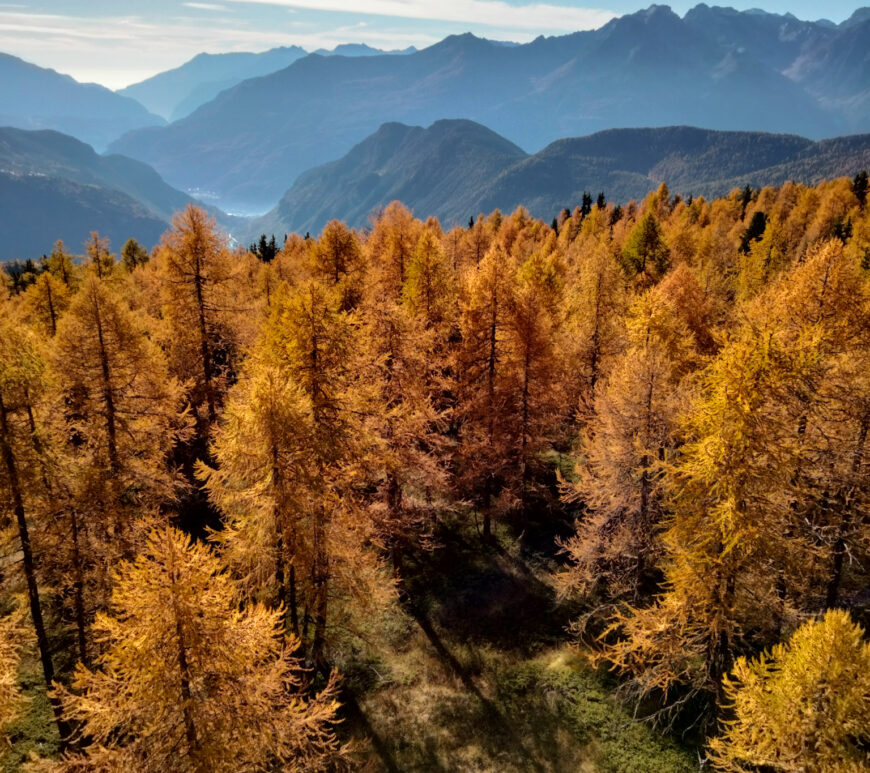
(133, 254)
(646, 252)
(22, 273)
(859, 187)
(753, 232)
(265, 249)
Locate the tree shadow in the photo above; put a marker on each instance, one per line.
(505, 729)
(357, 717)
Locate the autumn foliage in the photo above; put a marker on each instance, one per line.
(215, 468)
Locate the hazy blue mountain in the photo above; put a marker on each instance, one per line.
(53, 186)
(774, 39)
(715, 68)
(438, 170)
(361, 49)
(860, 15)
(178, 92)
(837, 72)
(39, 210)
(33, 97)
(827, 61)
(455, 169)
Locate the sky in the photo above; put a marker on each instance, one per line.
(118, 42)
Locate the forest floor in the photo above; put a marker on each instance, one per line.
(482, 676)
(474, 672)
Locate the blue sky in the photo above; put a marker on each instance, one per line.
(117, 42)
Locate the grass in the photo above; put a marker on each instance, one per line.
(473, 672)
(33, 733)
(478, 674)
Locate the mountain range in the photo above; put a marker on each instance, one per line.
(457, 168)
(34, 97)
(715, 67)
(339, 133)
(53, 186)
(175, 93)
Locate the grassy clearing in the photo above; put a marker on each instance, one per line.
(479, 676)
(33, 733)
(473, 673)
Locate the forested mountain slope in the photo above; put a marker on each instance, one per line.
(56, 187)
(456, 169)
(439, 171)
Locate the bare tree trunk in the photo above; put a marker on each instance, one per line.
(29, 568)
(78, 589)
(839, 553)
(108, 392)
(205, 350)
(320, 591)
(190, 733)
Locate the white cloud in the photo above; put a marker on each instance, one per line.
(117, 51)
(205, 6)
(534, 16)
(122, 49)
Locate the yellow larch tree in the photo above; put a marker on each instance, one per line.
(337, 261)
(189, 681)
(45, 301)
(23, 380)
(100, 261)
(481, 381)
(623, 455)
(404, 369)
(121, 414)
(196, 271)
(389, 248)
(731, 494)
(804, 706)
(533, 334)
(290, 460)
(595, 302)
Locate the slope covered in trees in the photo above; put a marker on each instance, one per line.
(456, 168)
(53, 186)
(437, 171)
(474, 471)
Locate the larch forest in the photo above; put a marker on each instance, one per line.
(584, 495)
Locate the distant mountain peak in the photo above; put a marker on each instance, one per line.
(463, 41)
(362, 49)
(658, 10)
(858, 17)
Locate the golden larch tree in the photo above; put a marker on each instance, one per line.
(803, 706)
(189, 681)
